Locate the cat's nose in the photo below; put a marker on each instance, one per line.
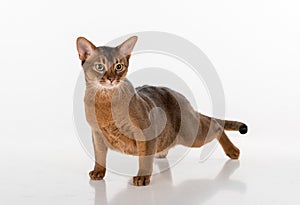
(111, 78)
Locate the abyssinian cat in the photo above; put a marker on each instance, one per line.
(146, 121)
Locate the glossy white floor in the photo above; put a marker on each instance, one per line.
(58, 174)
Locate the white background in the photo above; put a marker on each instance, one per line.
(254, 46)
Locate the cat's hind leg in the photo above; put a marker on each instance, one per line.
(210, 129)
(230, 150)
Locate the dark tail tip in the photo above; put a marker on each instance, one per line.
(243, 129)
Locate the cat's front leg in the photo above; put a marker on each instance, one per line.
(100, 150)
(146, 151)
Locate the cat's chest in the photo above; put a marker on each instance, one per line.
(117, 132)
(98, 114)
(117, 140)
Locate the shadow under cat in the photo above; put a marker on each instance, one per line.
(196, 191)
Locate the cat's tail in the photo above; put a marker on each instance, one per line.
(232, 125)
(235, 126)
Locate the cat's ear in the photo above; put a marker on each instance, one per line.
(85, 48)
(127, 46)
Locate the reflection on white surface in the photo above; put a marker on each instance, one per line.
(57, 173)
(163, 191)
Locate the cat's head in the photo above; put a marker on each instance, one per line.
(105, 67)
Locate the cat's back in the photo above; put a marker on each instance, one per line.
(181, 116)
(161, 96)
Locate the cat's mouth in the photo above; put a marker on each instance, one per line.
(108, 84)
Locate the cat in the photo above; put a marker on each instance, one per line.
(146, 121)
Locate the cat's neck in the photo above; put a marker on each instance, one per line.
(103, 106)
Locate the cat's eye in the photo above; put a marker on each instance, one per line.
(118, 67)
(100, 67)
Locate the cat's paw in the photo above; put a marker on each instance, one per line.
(97, 174)
(161, 155)
(233, 152)
(141, 180)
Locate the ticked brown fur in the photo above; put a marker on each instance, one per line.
(146, 121)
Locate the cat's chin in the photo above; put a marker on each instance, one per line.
(108, 85)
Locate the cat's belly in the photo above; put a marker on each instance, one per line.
(116, 140)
